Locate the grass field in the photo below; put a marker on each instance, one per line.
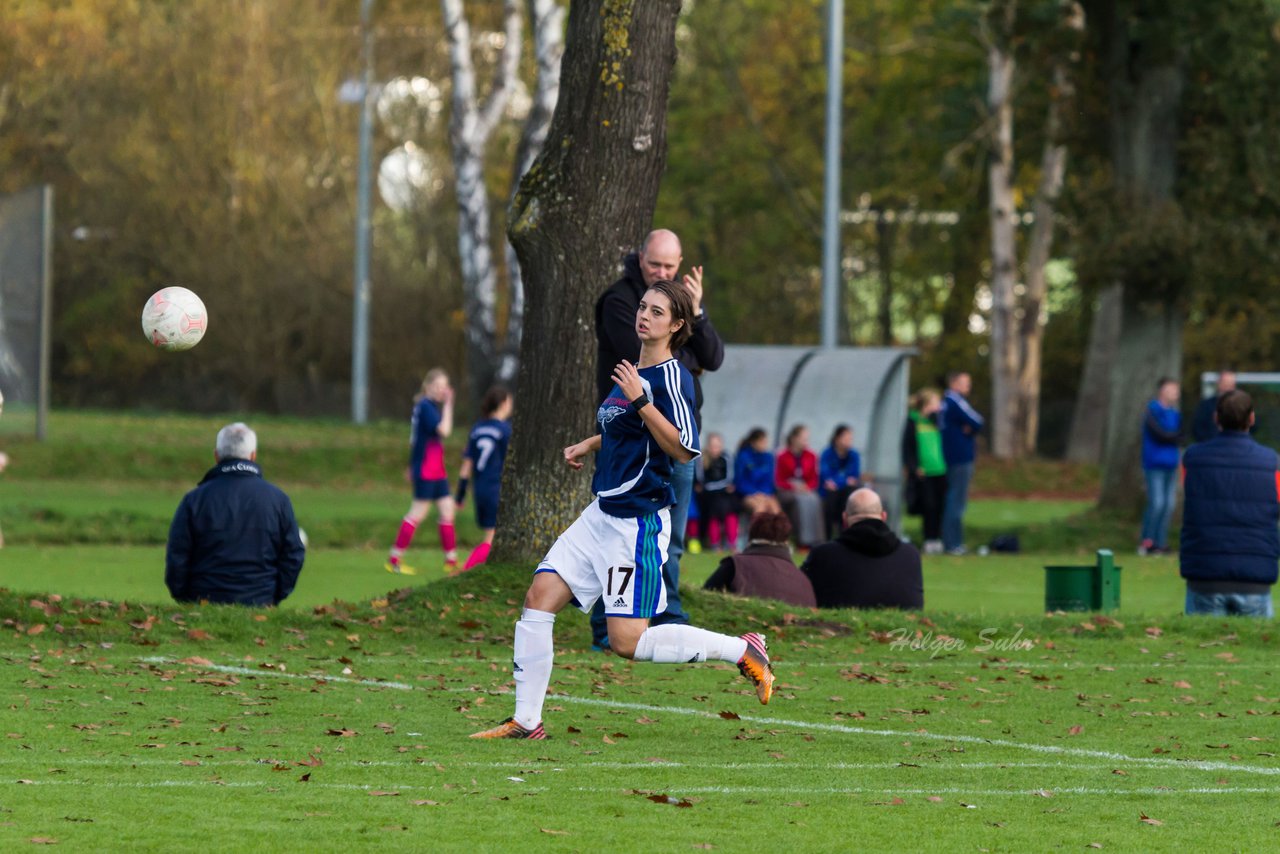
(982, 723)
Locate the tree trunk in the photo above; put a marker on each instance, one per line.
(1004, 214)
(588, 198)
(1053, 163)
(1150, 348)
(1146, 84)
(470, 126)
(546, 21)
(1093, 402)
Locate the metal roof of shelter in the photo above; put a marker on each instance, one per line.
(776, 387)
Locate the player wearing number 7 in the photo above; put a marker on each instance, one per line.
(482, 463)
(617, 547)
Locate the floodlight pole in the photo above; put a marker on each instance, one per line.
(831, 190)
(362, 289)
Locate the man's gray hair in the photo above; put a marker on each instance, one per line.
(236, 441)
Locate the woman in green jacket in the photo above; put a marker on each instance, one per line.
(924, 468)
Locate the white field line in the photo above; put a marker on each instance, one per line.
(711, 790)
(871, 662)
(1053, 749)
(25, 761)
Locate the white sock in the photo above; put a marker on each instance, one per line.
(676, 643)
(534, 652)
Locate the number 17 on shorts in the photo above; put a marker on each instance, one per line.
(619, 592)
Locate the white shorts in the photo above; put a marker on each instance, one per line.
(619, 559)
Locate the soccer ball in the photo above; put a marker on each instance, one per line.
(174, 319)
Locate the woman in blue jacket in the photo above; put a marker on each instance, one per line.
(1161, 433)
(753, 471)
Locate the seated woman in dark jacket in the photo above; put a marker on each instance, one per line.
(764, 569)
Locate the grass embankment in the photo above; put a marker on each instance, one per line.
(165, 728)
(981, 723)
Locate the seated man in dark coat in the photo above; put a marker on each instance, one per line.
(867, 565)
(764, 569)
(234, 539)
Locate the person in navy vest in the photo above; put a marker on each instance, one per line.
(234, 539)
(1161, 435)
(1230, 546)
(959, 424)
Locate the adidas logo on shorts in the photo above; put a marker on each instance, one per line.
(619, 602)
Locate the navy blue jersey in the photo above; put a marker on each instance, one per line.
(633, 473)
(487, 450)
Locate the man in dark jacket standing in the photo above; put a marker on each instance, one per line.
(867, 565)
(234, 538)
(1230, 547)
(658, 258)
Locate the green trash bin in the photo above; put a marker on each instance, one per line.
(1069, 588)
(1083, 588)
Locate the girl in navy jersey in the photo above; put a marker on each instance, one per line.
(432, 423)
(482, 463)
(617, 547)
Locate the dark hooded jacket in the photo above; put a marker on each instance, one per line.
(234, 540)
(867, 566)
(616, 337)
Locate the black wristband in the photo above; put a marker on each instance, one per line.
(641, 402)
(461, 494)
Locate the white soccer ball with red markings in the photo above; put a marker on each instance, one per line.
(174, 319)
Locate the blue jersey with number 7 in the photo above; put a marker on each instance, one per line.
(487, 450)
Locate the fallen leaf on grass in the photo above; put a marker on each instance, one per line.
(305, 778)
(683, 803)
(1042, 793)
(731, 716)
(1075, 730)
(198, 635)
(312, 761)
(553, 832)
(43, 840)
(343, 733)
(190, 763)
(195, 659)
(1146, 819)
(378, 793)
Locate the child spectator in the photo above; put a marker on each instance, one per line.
(753, 474)
(717, 504)
(797, 483)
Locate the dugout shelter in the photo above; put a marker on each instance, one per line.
(776, 387)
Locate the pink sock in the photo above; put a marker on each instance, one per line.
(731, 522)
(478, 556)
(447, 540)
(713, 532)
(691, 530)
(403, 538)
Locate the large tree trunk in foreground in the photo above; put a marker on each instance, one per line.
(589, 197)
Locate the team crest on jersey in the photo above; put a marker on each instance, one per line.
(608, 411)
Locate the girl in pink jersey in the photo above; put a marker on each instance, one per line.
(432, 423)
